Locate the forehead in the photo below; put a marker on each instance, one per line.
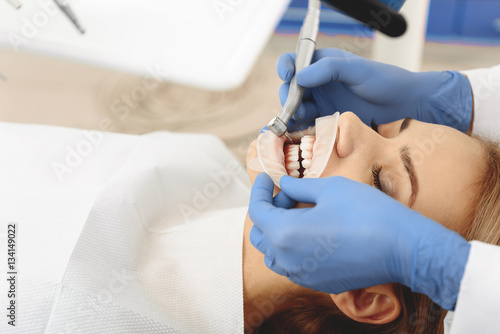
(447, 163)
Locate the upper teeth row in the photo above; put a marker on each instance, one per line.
(297, 156)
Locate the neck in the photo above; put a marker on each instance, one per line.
(265, 293)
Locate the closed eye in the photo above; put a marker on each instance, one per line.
(374, 125)
(376, 176)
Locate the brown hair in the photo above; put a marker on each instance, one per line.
(318, 314)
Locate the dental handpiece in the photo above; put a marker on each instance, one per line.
(303, 56)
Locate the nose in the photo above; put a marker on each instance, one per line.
(354, 134)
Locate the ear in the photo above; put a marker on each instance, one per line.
(374, 305)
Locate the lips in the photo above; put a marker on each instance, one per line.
(271, 156)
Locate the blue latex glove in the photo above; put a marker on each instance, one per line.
(341, 81)
(354, 237)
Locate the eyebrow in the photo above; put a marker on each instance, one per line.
(410, 169)
(407, 162)
(405, 124)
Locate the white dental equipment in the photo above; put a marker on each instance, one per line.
(304, 54)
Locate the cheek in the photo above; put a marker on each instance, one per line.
(353, 167)
(344, 170)
(353, 171)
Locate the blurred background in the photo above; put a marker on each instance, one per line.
(461, 34)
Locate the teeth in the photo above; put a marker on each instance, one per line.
(292, 152)
(293, 165)
(306, 154)
(299, 157)
(306, 146)
(306, 163)
(292, 147)
(308, 139)
(293, 156)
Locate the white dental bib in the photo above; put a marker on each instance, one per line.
(149, 242)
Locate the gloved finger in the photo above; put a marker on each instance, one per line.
(283, 93)
(286, 66)
(298, 126)
(328, 70)
(271, 264)
(261, 209)
(302, 190)
(307, 94)
(300, 113)
(332, 52)
(281, 200)
(311, 112)
(257, 240)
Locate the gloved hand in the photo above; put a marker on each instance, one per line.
(354, 237)
(341, 81)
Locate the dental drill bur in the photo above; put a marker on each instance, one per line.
(63, 5)
(303, 55)
(16, 4)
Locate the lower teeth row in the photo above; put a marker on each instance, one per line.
(298, 158)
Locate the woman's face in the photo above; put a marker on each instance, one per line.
(430, 168)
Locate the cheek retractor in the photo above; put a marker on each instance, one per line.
(307, 157)
(326, 132)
